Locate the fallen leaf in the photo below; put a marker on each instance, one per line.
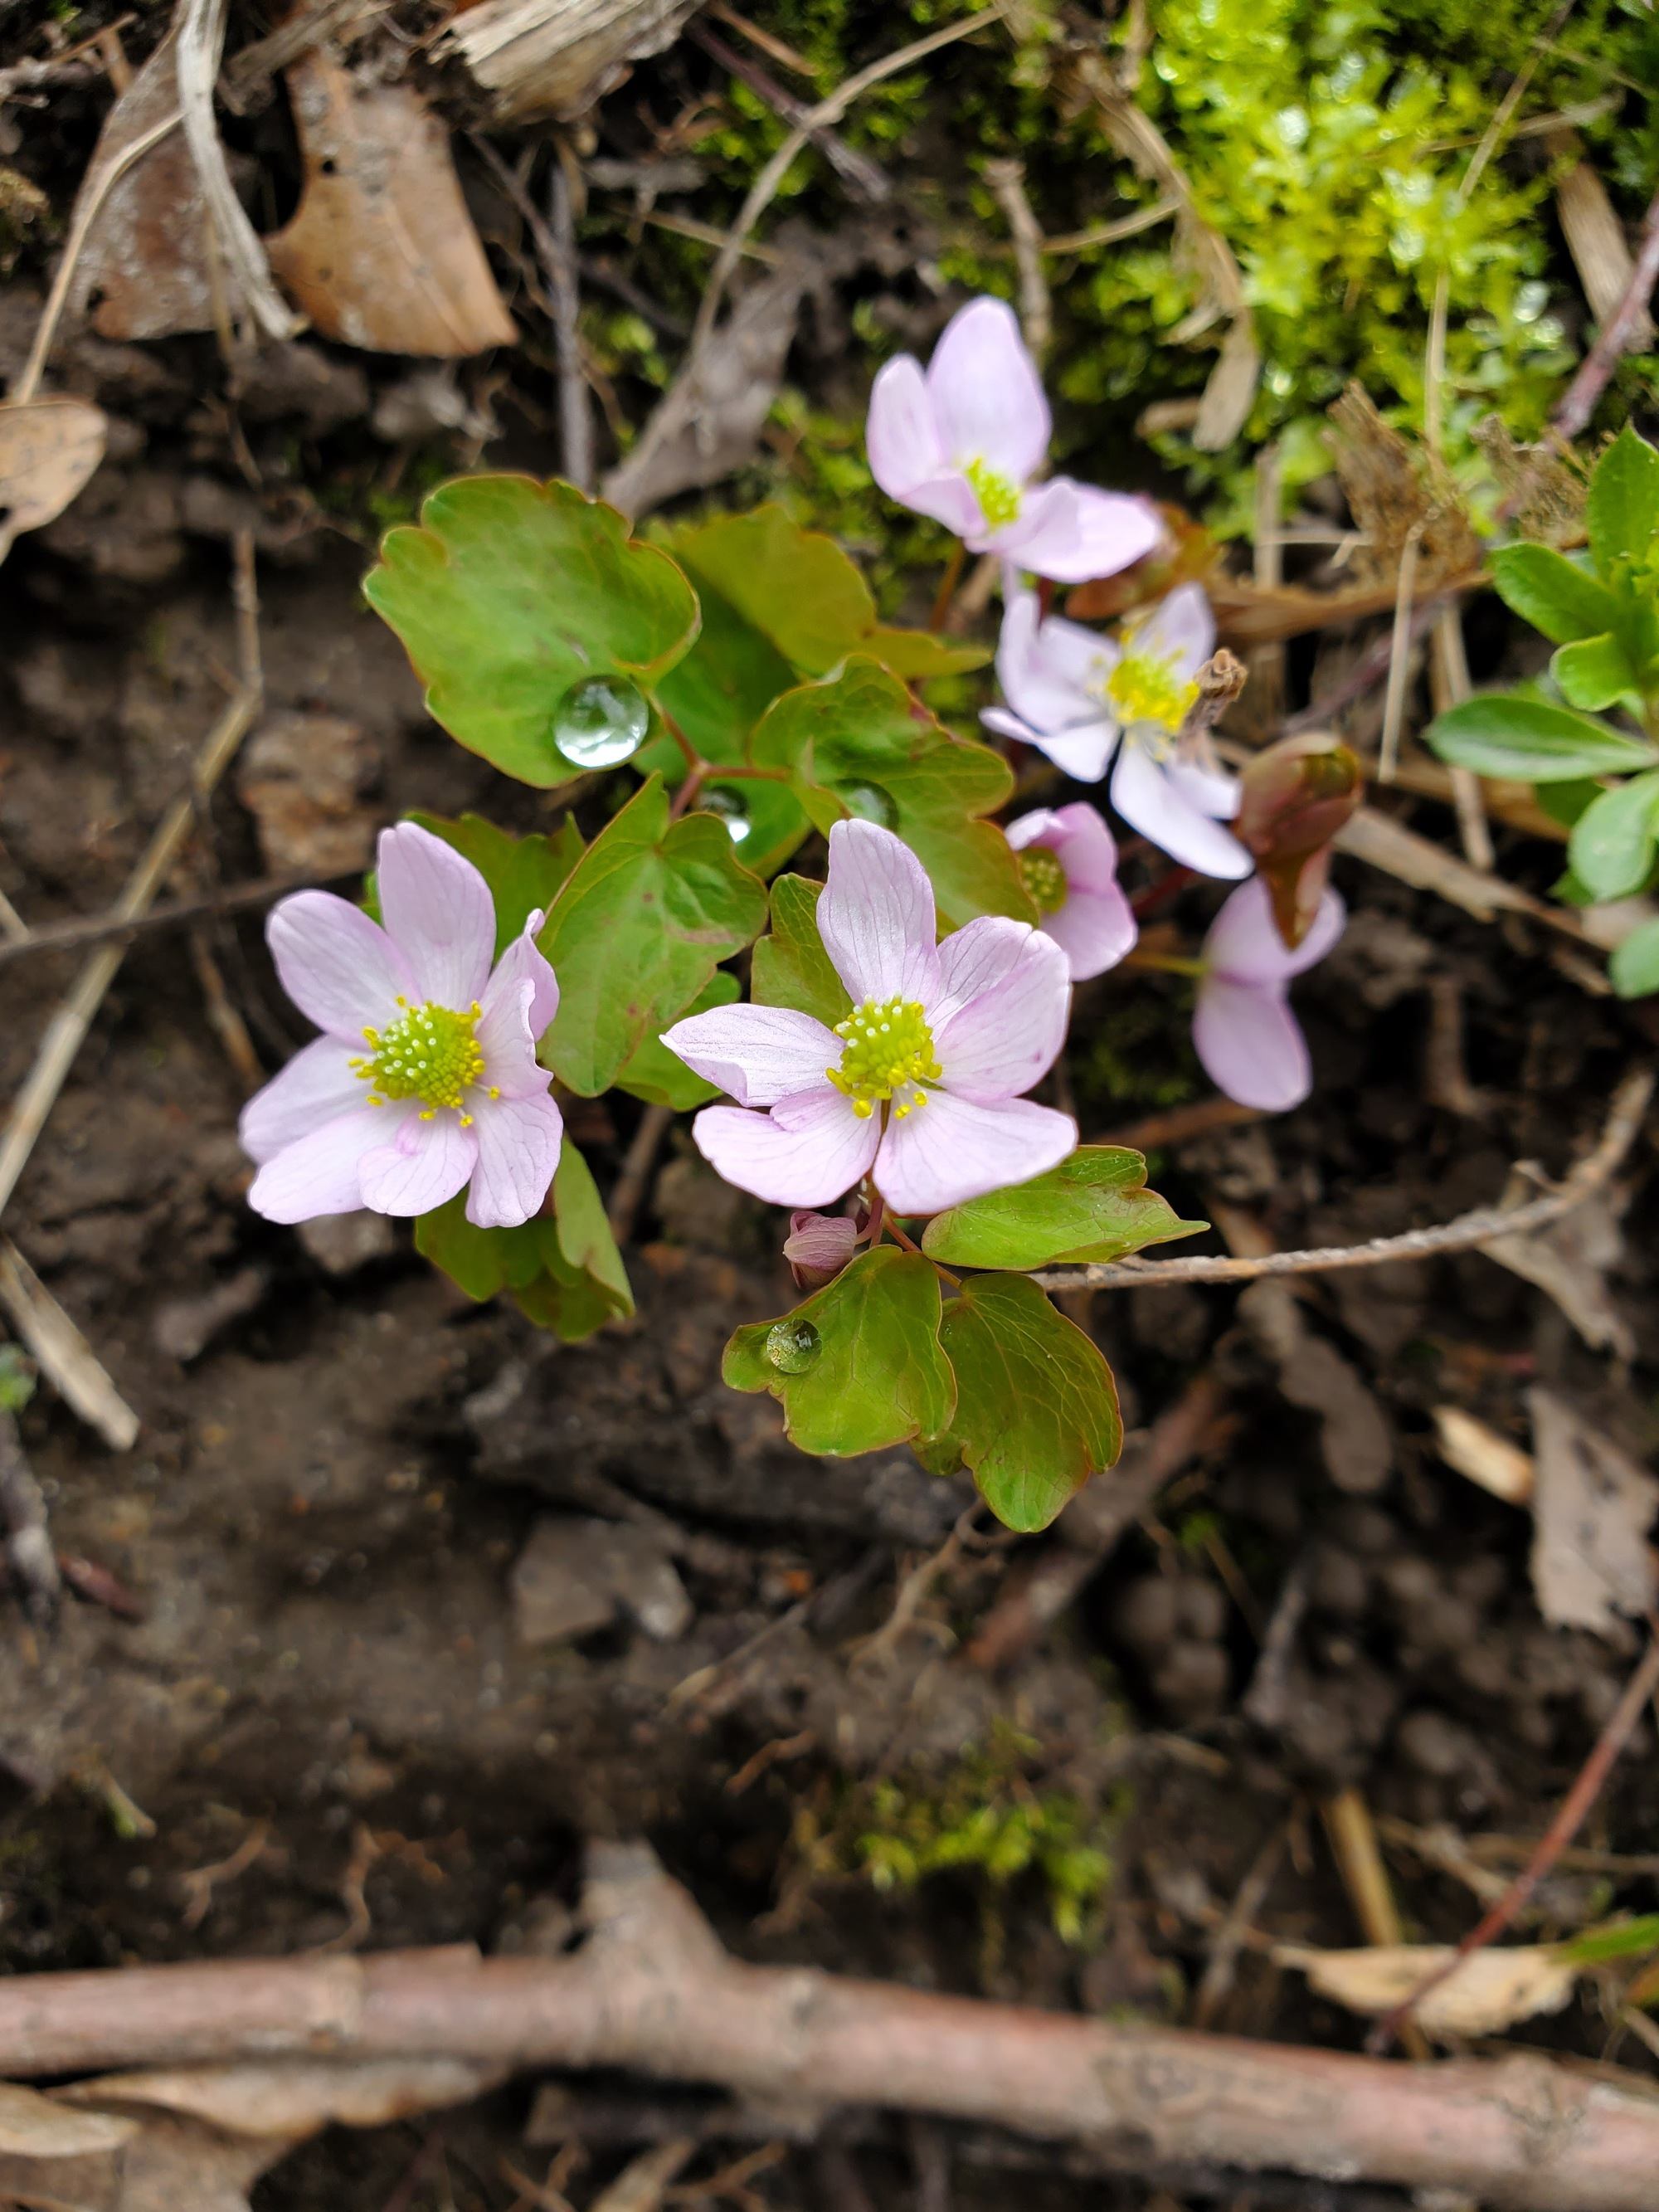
(290, 2098)
(536, 57)
(49, 448)
(1486, 1458)
(1571, 1259)
(1593, 1506)
(1398, 495)
(1490, 1990)
(382, 253)
(33, 2126)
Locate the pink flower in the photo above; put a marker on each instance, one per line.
(425, 1077)
(1250, 1043)
(965, 439)
(1080, 697)
(1069, 859)
(920, 1084)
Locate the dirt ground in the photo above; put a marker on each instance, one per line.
(323, 1641)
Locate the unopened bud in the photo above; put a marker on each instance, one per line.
(818, 1246)
(1294, 796)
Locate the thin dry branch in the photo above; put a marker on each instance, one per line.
(1629, 1103)
(653, 1991)
(201, 44)
(1616, 337)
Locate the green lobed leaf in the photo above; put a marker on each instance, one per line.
(1094, 1205)
(858, 743)
(1621, 513)
(1557, 595)
(879, 1376)
(563, 1267)
(523, 873)
(661, 1077)
(791, 968)
(1532, 742)
(643, 920)
(508, 592)
(1596, 672)
(1036, 1408)
(1633, 967)
(1612, 844)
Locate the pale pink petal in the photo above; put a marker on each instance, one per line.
(952, 1150)
(316, 1086)
(818, 1246)
(876, 917)
(808, 1151)
(1244, 943)
(321, 1173)
(757, 1055)
(423, 1166)
(1080, 840)
(986, 395)
(902, 432)
(519, 999)
(974, 960)
(1095, 930)
(1052, 672)
(1007, 1039)
(1149, 802)
(519, 1143)
(1082, 753)
(1211, 790)
(438, 913)
(1180, 628)
(1070, 531)
(524, 961)
(340, 969)
(1251, 1044)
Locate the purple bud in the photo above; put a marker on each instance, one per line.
(818, 1246)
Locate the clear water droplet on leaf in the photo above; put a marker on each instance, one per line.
(792, 1345)
(718, 799)
(600, 721)
(868, 802)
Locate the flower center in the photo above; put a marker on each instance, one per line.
(429, 1053)
(1041, 872)
(1147, 690)
(998, 496)
(890, 1051)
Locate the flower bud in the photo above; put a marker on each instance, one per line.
(1295, 797)
(818, 1246)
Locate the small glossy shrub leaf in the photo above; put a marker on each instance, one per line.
(1036, 1408)
(523, 873)
(1634, 965)
(1612, 844)
(790, 967)
(508, 592)
(661, 1077)
(1596, 672)
(1094, 1205)
(1557, 595)
(563, 1268)
(637, 932)
(1530, 741)
(1621, 513)
(877, 1374)
(858, 743)
(1565, 802)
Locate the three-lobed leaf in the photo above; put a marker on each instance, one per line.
(1530, 741)
(523, 873)
(1621, 511)
(1093, 1206)
(1611, 845)
(641, 923)
(790, 967)
(507, 592)
(877, 1373)
(661, 1077)
(1036, 1408)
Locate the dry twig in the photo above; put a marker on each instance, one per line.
(1604, 356)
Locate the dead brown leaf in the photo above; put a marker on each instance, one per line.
(1571, 1259)
(1483, 1456)
(1593, 1506)
(382, 253)
(536, 57)
(1399, 496)
(49, 448)
(1490, 1990)
(291, 2097)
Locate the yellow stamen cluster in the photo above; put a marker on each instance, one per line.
(1043, 877)
(1148, 693)
(998, 496)
(889, 1051)
(429, 1053)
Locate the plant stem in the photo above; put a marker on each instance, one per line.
(947, 586)
(1168, 964)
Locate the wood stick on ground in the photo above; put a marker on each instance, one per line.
(1008, 181)
(652, 1992)
(1596, 370)
(62, 1353)
(576, 415)
(1629, 1103)
(201, 44)
(627, 1193)
(1574, 1811)
(89, 929)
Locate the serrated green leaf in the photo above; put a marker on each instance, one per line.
(1530, 741)
(523, 873)
(643, 920)
(790, 967)
(879, 1376)
(1094, 1205)
(1556, 594)
(1596, 672)
(1036, 1408)
(858, 743)
(508, 592)
(1621, 511)
(1612, 844)
(661, 1077)
(1633, 967)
